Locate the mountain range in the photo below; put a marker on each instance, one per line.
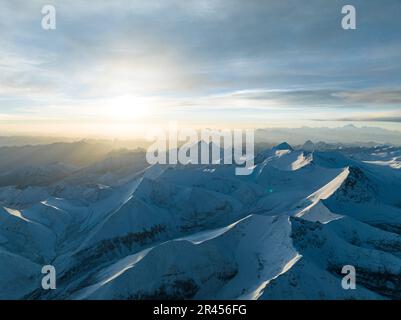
(115, 227)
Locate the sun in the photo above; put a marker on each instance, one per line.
(128, 107)
(124, 116)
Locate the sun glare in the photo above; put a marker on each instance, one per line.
(128, 107)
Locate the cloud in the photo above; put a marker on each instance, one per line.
(377, 96)
(394, 119)
(322, 98)
(203, 57)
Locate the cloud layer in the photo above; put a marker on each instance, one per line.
(210, 59)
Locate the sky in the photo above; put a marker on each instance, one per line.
(118, 68)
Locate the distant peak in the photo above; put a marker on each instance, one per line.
(283, 146)
(308, 146)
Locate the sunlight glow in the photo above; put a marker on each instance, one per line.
(127, 107)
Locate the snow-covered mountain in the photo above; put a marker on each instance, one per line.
(118, 228)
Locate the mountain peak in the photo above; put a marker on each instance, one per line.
(308, 146)
(283, 146)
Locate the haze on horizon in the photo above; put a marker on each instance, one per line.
(119, 68)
